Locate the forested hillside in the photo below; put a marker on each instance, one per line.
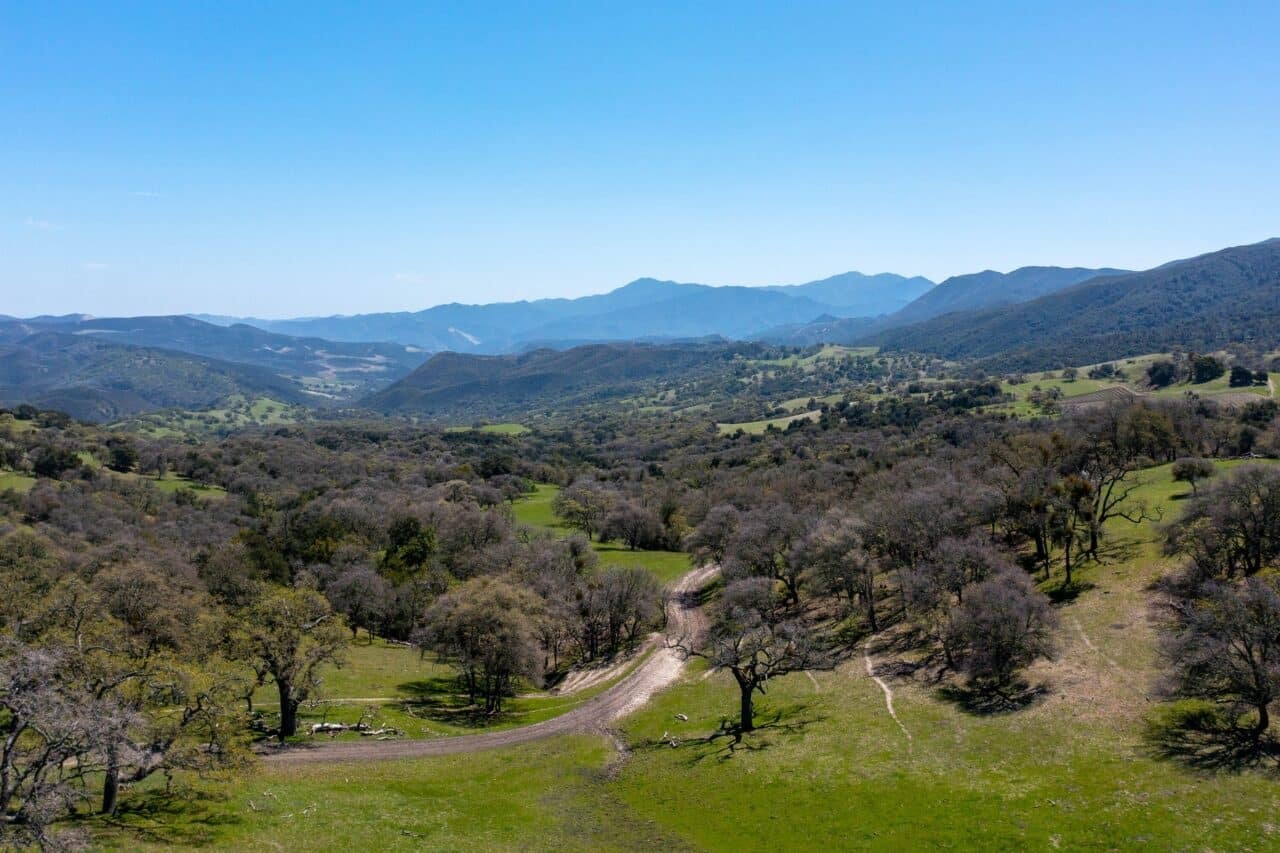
(1202, 303)
(97, 380)
(334, 369)
(987, 289)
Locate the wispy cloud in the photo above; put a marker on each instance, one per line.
(41, 224)
(94, 266)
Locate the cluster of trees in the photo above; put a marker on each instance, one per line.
(1198, 368)
(922, 542)
(605, 512)
(114, 669)
(947, 539)
(1221, 610)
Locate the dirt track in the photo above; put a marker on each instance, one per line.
(660, 669)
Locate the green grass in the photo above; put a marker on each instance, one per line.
(760, 427)
(172, 482)
(535, 508)
(799, 404)
(1068, 387)
(828, 352)
(237, 413)
(17, 482)
(1135, 375)
(507, 800)
(667, 565)
(496, 429)
(17, 426)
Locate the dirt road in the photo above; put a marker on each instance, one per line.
(659, 670)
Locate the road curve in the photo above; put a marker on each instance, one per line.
(684, 619)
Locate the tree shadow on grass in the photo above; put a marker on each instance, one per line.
(989, 700)
(1061, 592)
(171, 819)
(728, 740)
(1201, 737)
(439, 699)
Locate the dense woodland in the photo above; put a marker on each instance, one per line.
(138, 621)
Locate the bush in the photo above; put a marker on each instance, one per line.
(1241, 377)
(1162, 373)
(1205, 368)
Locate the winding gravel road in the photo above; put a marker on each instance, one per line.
(685, 619)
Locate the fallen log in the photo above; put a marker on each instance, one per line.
(364, 729)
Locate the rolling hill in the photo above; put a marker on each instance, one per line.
(1201, 303)
(98, 380)
(461, 386)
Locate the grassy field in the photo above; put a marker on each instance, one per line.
(496, 429)
(829, 767)
(1135, 373)
(761, 427)
(17, 482)
(535, 511)
(172, 482)
(416, 694)
(798, 404)
(828, 352)
(235, 414)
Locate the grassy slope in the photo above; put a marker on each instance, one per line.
(535, 511)
(1071, 771)
(237, 413)
(1135, 370)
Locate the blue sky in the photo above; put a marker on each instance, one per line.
(315, 159)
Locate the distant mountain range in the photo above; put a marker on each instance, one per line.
(554, 351)
(645, 309)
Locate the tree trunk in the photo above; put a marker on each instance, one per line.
(111, 784)
(747, 712)
(1093, 541)
(793, 588)
(288, 710)
(1264, 719)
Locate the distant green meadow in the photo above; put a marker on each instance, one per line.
(535, 510)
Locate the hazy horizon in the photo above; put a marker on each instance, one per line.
(281, 163)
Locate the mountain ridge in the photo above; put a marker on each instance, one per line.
(1202, 302)
(628, 312)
